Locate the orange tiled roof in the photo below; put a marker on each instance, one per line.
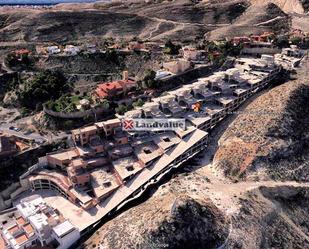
(2, 243)
(106, 89)
(13, 229)
(21, 239)
(28, 228)
(21, 221)
(22, 51)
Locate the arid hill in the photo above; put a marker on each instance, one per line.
(178, 20)
(272, 218)
(172, 221)
(269, 138)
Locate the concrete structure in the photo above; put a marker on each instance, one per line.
(53, 50)
(35, 223)
(177, 66)
(290, 57)
(193, 54)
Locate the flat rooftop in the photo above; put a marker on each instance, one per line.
(226, 99)
(166, 140)
(197, 118)
(103, 181)
(147, 151)
(65, 155)
(127, 167)
(82, 219)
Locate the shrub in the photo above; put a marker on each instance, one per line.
(121, 109)
(171, 48)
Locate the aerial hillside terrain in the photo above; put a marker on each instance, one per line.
(256, 186)
(178, 221)
(179, 19)
(269, 139)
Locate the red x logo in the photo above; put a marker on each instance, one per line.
(128, 124)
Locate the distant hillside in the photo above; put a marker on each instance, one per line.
(178, 20)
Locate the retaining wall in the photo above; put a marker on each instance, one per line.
(72, 115)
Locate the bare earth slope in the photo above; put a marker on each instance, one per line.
(270, 138)
(179, 20)
(172, 221)
(272, 218)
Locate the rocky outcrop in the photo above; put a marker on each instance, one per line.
(272, 218)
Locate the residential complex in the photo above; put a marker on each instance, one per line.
(34, 223)
(109, 166)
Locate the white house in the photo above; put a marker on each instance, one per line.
(71, 50)
(53, 50)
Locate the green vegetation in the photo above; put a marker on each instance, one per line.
(68, 103)
(296, 41)
(121, 109)
(12, 61)
(282, 41)
(65, 103)
(45, 86)
(138, 103)
(148, 80)
(171, 48)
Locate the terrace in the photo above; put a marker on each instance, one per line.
(152, 110)
(166, 140)
(170, 107)
(127, 167)
(103, 182)
(147, 152)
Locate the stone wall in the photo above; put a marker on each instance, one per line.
(74, 115)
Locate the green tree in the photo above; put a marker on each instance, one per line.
(171, 49)
(138, 103)
(296, 41)
(282, 41)
(121, 109)
(23, 61)
(45, 86)
(149, 79)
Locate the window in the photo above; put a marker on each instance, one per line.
(147, 151)
(107, 184)
(130, 168)
(166, 139)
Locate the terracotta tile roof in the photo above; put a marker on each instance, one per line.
(21, 239)
(22, 51)
(107, 89)
(13, 229)
(21, 221)
(28, 228)
(2, 243)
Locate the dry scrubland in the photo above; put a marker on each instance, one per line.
(179, 20)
